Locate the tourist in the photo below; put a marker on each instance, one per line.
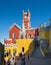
(15, 60)
(23, 60)
(8, 62)
(12, 61)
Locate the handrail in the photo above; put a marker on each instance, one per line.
(42, 51)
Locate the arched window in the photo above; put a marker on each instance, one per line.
(14, 52)
(30, 35)
(14, 35)
(22, 49)
(9, 52)
(26, 36)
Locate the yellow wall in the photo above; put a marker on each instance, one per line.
(44, 34)
(50, 37)
(24, 43)
(28, 44)
(47, 35)
(41, 34)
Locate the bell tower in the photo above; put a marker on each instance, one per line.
(26, 19)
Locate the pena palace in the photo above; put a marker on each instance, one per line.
(26, 31)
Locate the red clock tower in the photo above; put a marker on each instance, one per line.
(26, 19)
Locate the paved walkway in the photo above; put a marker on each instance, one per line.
(37, 59)
(37, 53)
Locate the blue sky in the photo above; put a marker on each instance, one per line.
(11, 12)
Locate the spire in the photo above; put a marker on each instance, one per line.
(28, 13)
(44, 24)
(23, 12)
(41, 25)
(28, 10)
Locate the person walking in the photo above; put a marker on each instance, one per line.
(15, 61)
(23, 60)
(8, 62)
(12, 61)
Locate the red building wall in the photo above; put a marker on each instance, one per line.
(7, 41)
(27, 24)
(15, 30)
(37, 32)
(30, 33)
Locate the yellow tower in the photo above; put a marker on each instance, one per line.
(50, 35)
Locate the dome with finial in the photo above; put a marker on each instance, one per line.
(41, 25)
(45, 24)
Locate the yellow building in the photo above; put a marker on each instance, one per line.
(50, 36)
(45, 33)
(17, 47)
(50, 32)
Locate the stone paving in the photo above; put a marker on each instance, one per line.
(37, 59)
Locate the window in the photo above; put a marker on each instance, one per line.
(14, 52)
(9, 52)
(22, 49)
(26, 36)
(30, 35)
(7, 45)
(14, 35)
(6, 53)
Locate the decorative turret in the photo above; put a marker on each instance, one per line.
(44, 24)
(28, 14)
(41, 26)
